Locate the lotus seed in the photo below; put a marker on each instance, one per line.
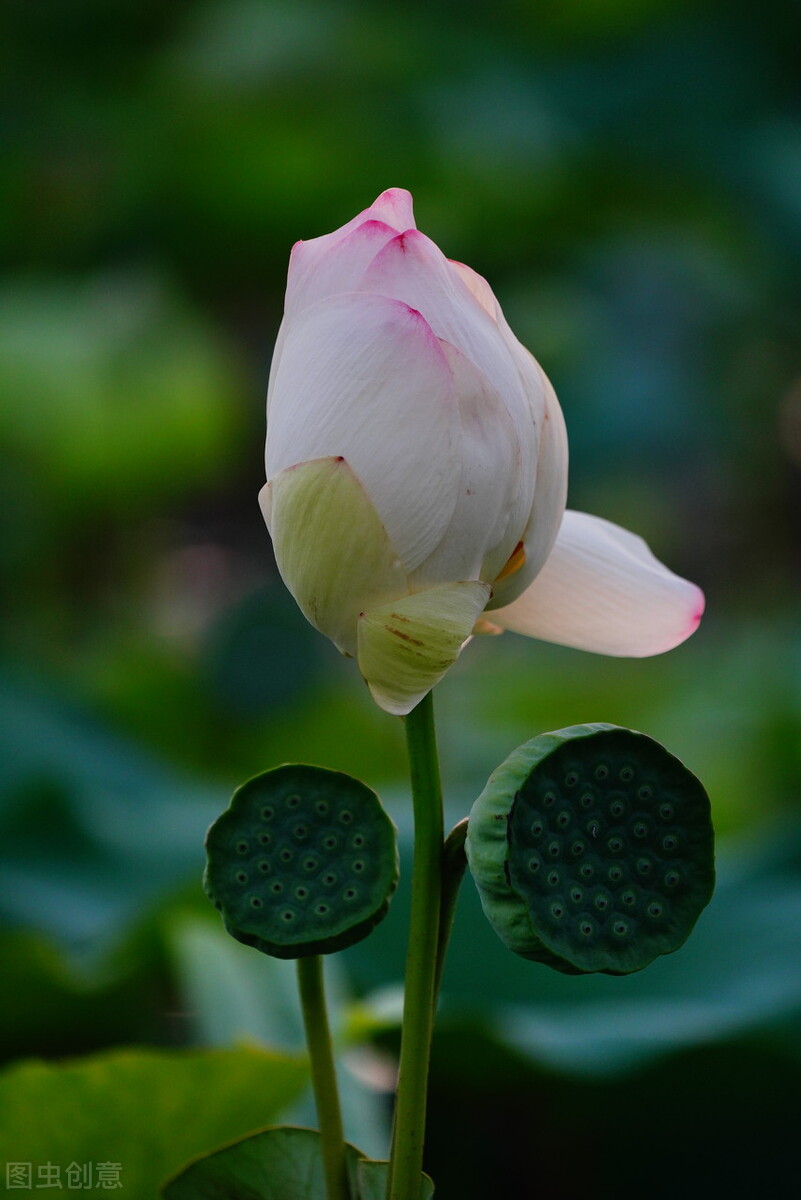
(615, 874)
(587, 870)
(537, 829)
(321, 807)
(534, 865)
(350, 893)
(300, 831)
(549, 799)
(287, 915)
(670, 842)
(615, 844)
(577, 895)
(267, 813)
(310, 864)
(286, 856)
(255, 902)
(621, 928)
(242, 847)
(601, 902)
(586, 928)
(265, 839)
(358, 865)
(629, 898)
(601, 771)
(577, 848)
(644, 866)
(358, 841)
(330, 843)
(617, 808)
(329, 878)
(553, 849)
(641, 829)
(666, 812)
(346, 817)
(553, 879)
(626, 774)
(571, 779)
(277, 887)
(557, 911)
(654, 910)
(241, 877)
(672, 878)
(563, 820)
(293, 801)
(645, 792)
(587, 800)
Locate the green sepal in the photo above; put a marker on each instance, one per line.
(592, 849)
(282, 1163)
(303, 861)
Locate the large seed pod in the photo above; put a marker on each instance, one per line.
(592, 850)
(304, 861)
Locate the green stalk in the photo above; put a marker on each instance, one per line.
(324, 1079)
(406, 1159)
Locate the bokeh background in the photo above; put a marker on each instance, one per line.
(627, 174)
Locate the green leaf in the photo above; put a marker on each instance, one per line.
(278, 1164)
(304, 861)
(372, 1180)
(146, 1110)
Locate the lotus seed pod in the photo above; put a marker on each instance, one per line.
(303, 861)
(592, 850)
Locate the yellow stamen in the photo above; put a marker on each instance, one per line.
(514, 562)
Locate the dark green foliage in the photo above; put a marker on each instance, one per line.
(284, 1163)
(592, 849)
(304, 861)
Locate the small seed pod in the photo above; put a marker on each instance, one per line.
(303, 861)
(592, 850)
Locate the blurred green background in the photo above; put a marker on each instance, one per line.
(627, 174)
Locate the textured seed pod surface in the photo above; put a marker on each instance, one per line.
(304, 861)
(592, 849)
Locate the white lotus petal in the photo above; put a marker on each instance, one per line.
(405, 647)
(339, 268)
(603, 590)
(392, 210)
(550, 491)
(491, 506)
(413, 269)
(362, 377)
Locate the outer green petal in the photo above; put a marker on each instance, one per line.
(333, 553)
(406, 646)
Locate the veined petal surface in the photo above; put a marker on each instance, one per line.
(331, 548)
(412, 268)
(491, 507)
(363, 377)
(405, 647)
(603, 590)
